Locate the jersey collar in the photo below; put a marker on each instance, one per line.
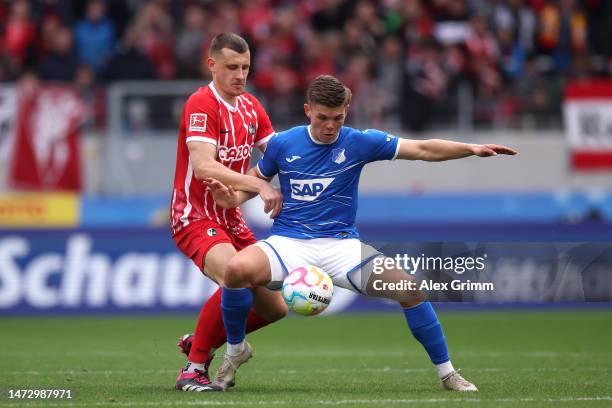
(219, 98)
(322, 143)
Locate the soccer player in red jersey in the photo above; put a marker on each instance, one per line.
(220, 125)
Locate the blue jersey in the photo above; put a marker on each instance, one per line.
(320, 181)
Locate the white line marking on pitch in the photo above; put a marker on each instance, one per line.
(314, 370)
(378, 354)
(329, 353)
(319, 402)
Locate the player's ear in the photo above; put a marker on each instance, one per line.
(210, 61)
(307, 110)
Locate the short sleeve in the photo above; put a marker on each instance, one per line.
(378, 145)
(201, 120)
(265, 131)
(268, 165)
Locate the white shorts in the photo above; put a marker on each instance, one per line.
(348, 262)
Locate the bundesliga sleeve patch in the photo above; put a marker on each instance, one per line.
(197, 122)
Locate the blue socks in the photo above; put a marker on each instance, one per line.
(426, 328)
(235, 306)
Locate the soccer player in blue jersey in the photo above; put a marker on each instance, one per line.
(318, 168)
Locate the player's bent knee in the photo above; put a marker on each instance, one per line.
(236, 274)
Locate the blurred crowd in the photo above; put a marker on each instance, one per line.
(405, 60)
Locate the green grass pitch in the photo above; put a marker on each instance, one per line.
(518, 359)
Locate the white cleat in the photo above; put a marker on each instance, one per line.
(226, 373)
(455, 382)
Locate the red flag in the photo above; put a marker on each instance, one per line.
(588, 124)
(46, 150)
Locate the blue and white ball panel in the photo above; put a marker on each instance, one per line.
(348, 262)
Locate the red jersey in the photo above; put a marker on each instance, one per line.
(234, 130)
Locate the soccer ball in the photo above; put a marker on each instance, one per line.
(308, 290)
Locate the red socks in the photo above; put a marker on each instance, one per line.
(210, 331)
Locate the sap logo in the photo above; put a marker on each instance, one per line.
(234, 153)
(308, 190)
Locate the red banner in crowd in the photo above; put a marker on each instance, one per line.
(45, 154)
(588, 124)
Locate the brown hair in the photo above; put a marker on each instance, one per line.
(228, 40)
(327, 90)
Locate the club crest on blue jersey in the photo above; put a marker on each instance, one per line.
(338, 156)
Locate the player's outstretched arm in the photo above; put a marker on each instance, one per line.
(440, 150)
(202, 157)
(227, 196)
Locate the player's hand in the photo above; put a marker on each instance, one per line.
(224, 196)
(491, 150)
(272, 198)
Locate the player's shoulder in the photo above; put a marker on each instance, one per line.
(287, 136)
(290, 133)
(364, 141)
(367, 133)
(349, 131)
(204, 97)
(349, 135)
